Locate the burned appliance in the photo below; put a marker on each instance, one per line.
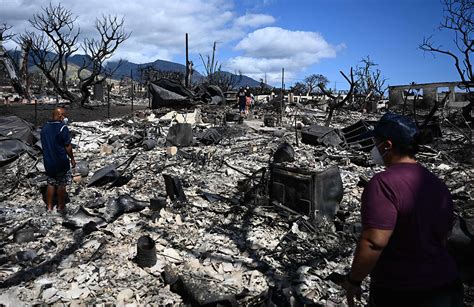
(320, 135)
(354, 136)
(310, 193)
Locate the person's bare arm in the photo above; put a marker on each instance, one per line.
(368, 251)
(70, 154)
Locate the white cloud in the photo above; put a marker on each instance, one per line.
(158, 27)
(254, 20)
(258, 68)
(271, 48)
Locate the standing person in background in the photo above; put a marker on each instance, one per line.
(407, 215)
(56, 144)
(252, 101)
(241, 98)
(248, 99)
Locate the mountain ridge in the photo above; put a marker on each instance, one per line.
(128, 68)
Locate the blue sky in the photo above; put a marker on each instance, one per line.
(262, 36)
(388, 31)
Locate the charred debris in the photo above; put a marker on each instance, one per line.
(189, 203)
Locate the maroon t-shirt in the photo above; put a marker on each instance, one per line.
(418, 207)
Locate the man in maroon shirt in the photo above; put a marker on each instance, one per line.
(407, 214)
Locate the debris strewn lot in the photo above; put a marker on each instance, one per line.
(218, 236)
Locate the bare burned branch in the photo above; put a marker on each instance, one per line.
(56, 41)
(459, 19)
(335, 104)
(111, 35)
(312, 82)
(370, 84)
(4, 36)
(53, 45)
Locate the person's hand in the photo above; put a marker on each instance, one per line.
(352, 290)
(73, 163)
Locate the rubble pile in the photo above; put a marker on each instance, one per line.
(198, 189)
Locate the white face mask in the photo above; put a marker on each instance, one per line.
(65, 120)
(376, 156)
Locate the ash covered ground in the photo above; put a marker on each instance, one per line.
(221, 242)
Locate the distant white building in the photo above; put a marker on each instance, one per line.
(431, 92)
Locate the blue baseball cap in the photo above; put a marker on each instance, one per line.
(397, 128)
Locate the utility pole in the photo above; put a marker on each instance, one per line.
(109, 87)
(282, 94)
(36, 112)
(296, 127)
(149, 95)
(131, 89)
(57, 95)
(186, 78)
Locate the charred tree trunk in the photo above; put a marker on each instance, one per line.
(433, 110)
(25, 51)
(334, 105)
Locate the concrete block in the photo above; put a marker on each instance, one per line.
(172, 150)
(106, 149)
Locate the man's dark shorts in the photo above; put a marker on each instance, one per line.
(65, 179)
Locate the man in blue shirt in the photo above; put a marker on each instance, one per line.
(56, 143)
